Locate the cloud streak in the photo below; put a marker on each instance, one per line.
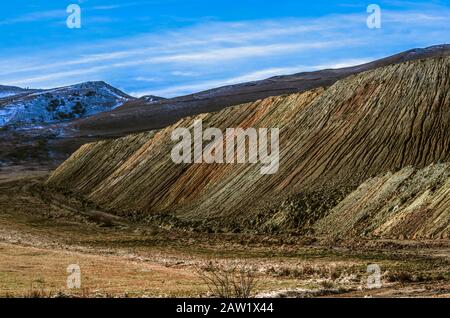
(35, 16)
(206, 55)
(248, 77)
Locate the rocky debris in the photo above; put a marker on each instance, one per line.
(411, 203)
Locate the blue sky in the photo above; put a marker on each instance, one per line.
(176, 47)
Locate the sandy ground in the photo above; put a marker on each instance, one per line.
(42, 233)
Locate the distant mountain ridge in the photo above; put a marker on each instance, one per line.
(151, 99)
(7, 91)
(22, 106)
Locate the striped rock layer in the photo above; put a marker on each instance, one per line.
(331, 141)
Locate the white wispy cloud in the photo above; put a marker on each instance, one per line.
(248, 77)
(118, 5)
(35, 16)
(145, 79)
(58, 75)
(212, 54)
(108, 7)
(239, 52)
(184, 74)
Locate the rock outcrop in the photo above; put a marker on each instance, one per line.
(411, 203)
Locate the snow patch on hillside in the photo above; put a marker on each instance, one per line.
(61, 104)
(7, 94)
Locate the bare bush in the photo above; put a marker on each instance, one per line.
(228, 282)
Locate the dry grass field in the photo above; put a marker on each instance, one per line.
(42, 233)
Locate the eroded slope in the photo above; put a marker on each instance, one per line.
(330, 142)
(411, 203)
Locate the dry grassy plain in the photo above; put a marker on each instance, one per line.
(41, 233)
